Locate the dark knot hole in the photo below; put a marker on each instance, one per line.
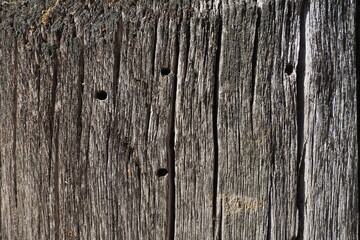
(289, 69)
(165, 71)
(101, 95)
(161, 172)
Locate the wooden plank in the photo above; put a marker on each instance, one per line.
(257, 121)
(68, 128)
(285, 212)
(331, 158)
(221, 120)
(99, 160)
(125, 136)
(8, 136)
(243, 127)
(28, 171)
(142, 125)
(194, 123)
(34, 174)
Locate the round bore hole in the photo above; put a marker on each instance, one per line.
(161, 172)
(101, 95)
(289, 69)
(165, 71)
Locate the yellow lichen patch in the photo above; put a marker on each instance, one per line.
(45, 16)
(110, 4)
(47, 13)
(32, 28)
(235, 203)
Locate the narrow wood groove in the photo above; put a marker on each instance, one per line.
(187, 39)
(254, 64)
(80, 95)
(1, 150)
(147, 119)
(80, 92)
(301, 68)
(15, 120)
(271, 180)
(220, 220)
(117, 52)
(138, 169)
(54, 144)
(154, 49)
(148, 106)
(215, 123)
(357, 62)
(171, 146)
(57, 186)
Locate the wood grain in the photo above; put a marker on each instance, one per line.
(179, 119)
(331, 156)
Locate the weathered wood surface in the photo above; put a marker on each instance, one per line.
(222, 119)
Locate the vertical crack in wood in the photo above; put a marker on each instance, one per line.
(188, 43)
(357, 66)
(215, 123)
(80, 92)
(117, 52)
(138, 169)
(116, 81)
(55, 143)
(147, 119)
(300, 103)
(81, 83)
(116, 73)
(272, 166)
(1, 141)
(15, 120)
(148, 105)
(57, 186)
(253, 65)
(220, 220)
(38, 86)
(170, 235)
(154, 48)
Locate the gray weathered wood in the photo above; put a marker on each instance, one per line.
(222, 119)
(330, 127)
(258, 121)
(194, 125)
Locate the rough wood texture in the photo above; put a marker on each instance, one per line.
(221, 119)
(330, 129)
(257, 122)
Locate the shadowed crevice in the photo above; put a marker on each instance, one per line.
(300, 72)
(117, 55)
(170, 235)
(188, 44)
(81, 68)
(215, 123)
(357, 65)
(15, 121)
(269, 226)
(154, 46)
(149, 104)
(254, 64)
(80, 92)
(54, 143)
